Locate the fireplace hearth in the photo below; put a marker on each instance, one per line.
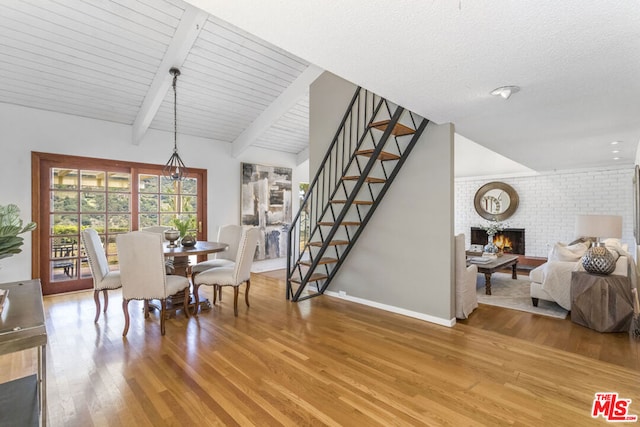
(511, 240)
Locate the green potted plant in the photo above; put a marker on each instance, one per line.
(10, 226)
(183, 225)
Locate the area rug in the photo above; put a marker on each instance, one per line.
(514, 294)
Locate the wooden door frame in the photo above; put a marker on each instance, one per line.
(39, 184)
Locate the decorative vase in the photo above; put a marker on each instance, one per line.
(598, 260)
(172, 235)
(490, 247)
(188, 241)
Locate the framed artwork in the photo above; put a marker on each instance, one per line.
(265, 202)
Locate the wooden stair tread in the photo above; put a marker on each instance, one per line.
(398, 130)
(314, 278)
(382, 156)
(355, 202)
(331, 243)
(322, 261)
(342, 223)
(369, 179)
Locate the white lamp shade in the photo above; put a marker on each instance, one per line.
(608, 226)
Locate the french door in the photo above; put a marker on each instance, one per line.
(72, 193)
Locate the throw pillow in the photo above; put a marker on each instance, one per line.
(564, 252)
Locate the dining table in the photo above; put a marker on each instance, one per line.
(180, 255)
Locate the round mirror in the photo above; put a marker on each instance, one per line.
(496, 201)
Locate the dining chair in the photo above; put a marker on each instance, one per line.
(143, 274)
(229, 234)
(160, 229)
(103, 278)
(231, 276)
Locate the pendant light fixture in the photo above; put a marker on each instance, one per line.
(175, 169)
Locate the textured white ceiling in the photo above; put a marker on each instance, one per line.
(576, 61)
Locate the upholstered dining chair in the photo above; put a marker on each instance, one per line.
(143, 274)
(103, 279)
(160, 229)
(229, 234)
(232, 276)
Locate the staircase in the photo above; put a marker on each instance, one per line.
(369, 148)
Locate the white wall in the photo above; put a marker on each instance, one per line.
(403, 259)
(550, 202)
(26, 130)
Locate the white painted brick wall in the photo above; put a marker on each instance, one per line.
(550, 202)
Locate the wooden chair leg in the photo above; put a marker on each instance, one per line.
(185, 303)
(146, 309)
(235, 301)
(196, 298)
(96, 298)
(220, 293)
(106, 299)
(163, 305)
(246, 292)
(125, 309)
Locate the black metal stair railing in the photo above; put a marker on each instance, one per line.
(369, 123)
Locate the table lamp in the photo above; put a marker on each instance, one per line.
(598, 259)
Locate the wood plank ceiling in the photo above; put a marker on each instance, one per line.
(99, 59)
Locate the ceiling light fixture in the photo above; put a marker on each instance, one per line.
(505, 91)
(175, 169)
(615, 143)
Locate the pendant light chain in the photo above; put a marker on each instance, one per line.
(175, 113)
(175, 169)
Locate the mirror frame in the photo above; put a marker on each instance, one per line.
(496, 185)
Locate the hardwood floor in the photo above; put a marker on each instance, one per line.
(323, 361)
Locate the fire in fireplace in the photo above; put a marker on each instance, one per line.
(510, 240)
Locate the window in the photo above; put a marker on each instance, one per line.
(112, 197)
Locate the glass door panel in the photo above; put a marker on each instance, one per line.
(78, 199)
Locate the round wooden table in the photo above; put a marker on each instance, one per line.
(181, 254)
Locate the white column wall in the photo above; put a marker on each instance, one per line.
(26, 130)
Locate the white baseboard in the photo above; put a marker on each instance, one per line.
(416, 315)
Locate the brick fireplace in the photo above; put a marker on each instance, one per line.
(511, 238)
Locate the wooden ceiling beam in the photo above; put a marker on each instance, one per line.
(185, 36)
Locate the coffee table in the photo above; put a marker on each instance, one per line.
(497, 264)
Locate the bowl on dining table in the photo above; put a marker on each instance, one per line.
(171, 236)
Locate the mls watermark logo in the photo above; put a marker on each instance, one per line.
(612, 408)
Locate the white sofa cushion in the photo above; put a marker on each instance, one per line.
(537, 274)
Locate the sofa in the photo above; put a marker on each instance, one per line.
(551, 281)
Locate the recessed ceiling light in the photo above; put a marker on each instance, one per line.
(616, 158)
(615, 143)
(505, 91)
(615, 151)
